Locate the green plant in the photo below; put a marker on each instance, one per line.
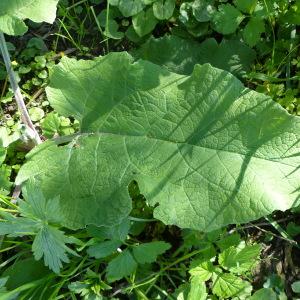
(185, 146)
(136, 147)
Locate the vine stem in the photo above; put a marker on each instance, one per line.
(17, 92)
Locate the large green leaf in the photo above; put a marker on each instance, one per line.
(204, 148)
(181, 55)
(13, 12)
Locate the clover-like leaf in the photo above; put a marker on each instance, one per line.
(130, 7)
(13, 12)
(227, 19)
(203, 10)
(253, 30)
(144, 22)
(163, 9)
(111, 30)
(246, 6)
(203, 148)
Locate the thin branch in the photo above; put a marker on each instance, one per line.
(16, 90)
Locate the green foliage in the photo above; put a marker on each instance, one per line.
(227, 19)
(233, 262)
(203, 150)
(264, 294)
(148, 252)
(38, 218)
(159, 153)
(239, 259)
(227, 285)
(144, 22)
(121, 266)
(231, 55)
(13, 12)
(163, 9)
(253, 30)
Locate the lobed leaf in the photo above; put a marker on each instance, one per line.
(148, 252)
(240, 259)
(121, 266)
(103, 249)
(227, 285)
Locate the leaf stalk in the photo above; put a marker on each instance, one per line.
(17, 92)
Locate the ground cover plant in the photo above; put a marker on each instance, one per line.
(166, 171)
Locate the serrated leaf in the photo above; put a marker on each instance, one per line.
(148, 252)
(36, 206)
(202, 270)
(121, 266)
(50, 243)
(13, 12)
(227, 285)
(14, 226)
(130, 8)
(231, 55)
(163, 9)
(239, 259)
(227, 19)
(197, 289)
(36, 214)
(203, 148)
(51, 125)
(253, 30)
(228, 241)
(247, 6)
(103, 249)
(144, 22)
